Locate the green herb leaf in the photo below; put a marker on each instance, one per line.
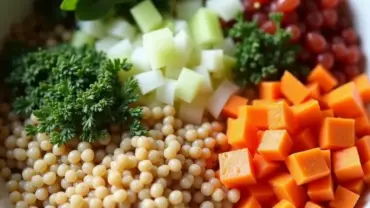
(93, 9)
(69, 5)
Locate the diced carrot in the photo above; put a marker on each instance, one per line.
(241, 134)
(281, 116)
(270, 90)
(311, 204)
(305, 140)
(307, 166)
(327, 113)
(254, 115)
(321, 190)
(264, 167)
(284, 204)
(275, 145)
(231, 107)
(261, 102)
(321, 76)
(236, 168)
(344, 198)
(337, 133)
(357, 186)
(285, 187)
(366, 169)
(327, 157)
(314, 90)
(345, 101)
(307, 113)
(249, 202)
(293, 89)
(363, 147)
(347, 165)
(362, 125)
(263, 193)
(363, 84)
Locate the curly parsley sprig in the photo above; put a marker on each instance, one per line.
(75, 92)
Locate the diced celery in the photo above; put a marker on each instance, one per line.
(139, 59)
(185, 8)
(160, 48)
(150, 80)
(227, 10)
(227, 45)
(189, 84)
(120, 28)
(172, 73)
(207, 83)
(213, 60)
(105, 44)
(206, 28)
(80, 39)
(121, 50)
(166, 93)
(229, 64)
(95, 28)
(194, 59)
(147, 16)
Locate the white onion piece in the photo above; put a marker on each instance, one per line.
(226, 9)
(120, 28)
(220, 97)
(95, 28)
(212, 60)
(183, 46)
(193, 112)
(181, 25)
(121, 50)
(150, 80)
(140, 60)
(166, 93)
(105, 44)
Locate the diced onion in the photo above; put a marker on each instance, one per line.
(121, 50)
(226, 9)
(166, 93)
(120, 28)
(105, 44)
(95, 28)
(149, 81)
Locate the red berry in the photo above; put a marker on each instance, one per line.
(326, 60)
(316, 42)
(295, 32)
(340, 50)
(350, 36)
(314, 20)
(287, 5)
(330, 17)
(328, 4)
(269, 27)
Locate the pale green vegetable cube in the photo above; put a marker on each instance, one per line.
(160, 48)
(206, 28)
(213, 60)
(185, 8)
(80, 39)
(189, 84)
(147, 16)
(121, 50)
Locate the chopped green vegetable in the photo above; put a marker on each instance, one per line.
(80, 39)
(147, 16)
(262, 56)
(74, 92)
(69, 5)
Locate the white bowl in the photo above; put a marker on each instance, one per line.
(14, 10)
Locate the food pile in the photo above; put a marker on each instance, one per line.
(222, 103)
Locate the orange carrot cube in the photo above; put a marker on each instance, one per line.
(241, 134)
(311, 204)
(327, 113)
(254, 115)
(284, 204)
(275, 145)
(236, 168)
(345, 101)
(231, 107)
(362, 125)
(307, 113)
(321, 190)
(270, 90)
(366, 169)
(357, 186)
(305, 140)
(281, 116)
(363, 84)
(285, 187)
(314, 90)
(363, 147)
(293, 89)
(347, 165)
(344, 198)
(337, 133)
(307, 166)
(327, 157)
(322, 77)
(249, 202)
(263, 193)
(261, 102)
(264, 167)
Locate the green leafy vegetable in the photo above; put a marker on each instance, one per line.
(262, 56)
(74, 92)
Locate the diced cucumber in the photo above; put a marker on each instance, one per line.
(95, 28)
(213, 60)
(206, 28)
(147, 16)
(185, 8)
(80, 39)
(121, 50)
(139, 59)
(166, 93)
(105, 44)
(227, 10)
(160, 48)
(120, 28)
(189, 84)
(150, 80)
(227, 45)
